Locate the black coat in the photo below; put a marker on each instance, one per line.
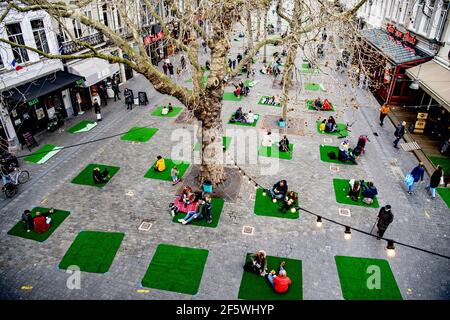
(435, 179)
(129, 97)
(384, 218)
(281, 189)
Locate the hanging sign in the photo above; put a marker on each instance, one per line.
(153, 38)
(406, 37)
(33, 102)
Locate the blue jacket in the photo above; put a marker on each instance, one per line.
(369, 192)
(417, 173)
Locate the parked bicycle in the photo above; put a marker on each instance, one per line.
(12, 180)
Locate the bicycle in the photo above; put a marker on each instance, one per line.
(16, 177)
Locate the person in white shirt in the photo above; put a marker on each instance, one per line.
(250, 117)
(267, 140)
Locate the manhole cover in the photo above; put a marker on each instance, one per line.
(410, 146)
(145, 225)
(247, 230)
(334, 169)
(344, 212)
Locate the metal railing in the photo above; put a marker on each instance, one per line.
(71, 47)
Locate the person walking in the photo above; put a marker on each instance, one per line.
(435, 180)
(183, 62)
(129, 98)
(385, 218)
(384, 110)
(417, 173)
(115, 88)
(103, 94)
(170, 67)
(399, 133)
(165, 68)
(97, 111)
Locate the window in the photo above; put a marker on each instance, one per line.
(105, 15)
(77, 31)
(15, 35)
(88, 14)
(39, 35)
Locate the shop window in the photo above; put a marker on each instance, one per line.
(40, 37)
(88, 14)
(15, 35)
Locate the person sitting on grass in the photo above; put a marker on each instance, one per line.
(187, 196)
(281, 282)
(257, 264)
(344, 154)
(100, 176)
(269, 100)
(174, 174)
(42, 221)
(284, 144)
(237, 92)
(331, 125)
(318, 104)
(160, 164)
(28, 220)
(369, 192)
(322, 126)
(239, 115)
(267, 140)
(250, 117)
(203, 211)
(279, 190)
(289, 202)
(354, 189)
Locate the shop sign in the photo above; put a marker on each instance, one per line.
(80, 82)
(407, 37)
(33, 102)
(153, 38)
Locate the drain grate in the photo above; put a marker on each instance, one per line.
(248, 231)
(145, 225)
(410, 146)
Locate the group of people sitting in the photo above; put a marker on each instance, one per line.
(40, 223)
(283, 144)
(272, 100)
(166, 109)
(240, 116)
(160, 166)
(241, 89)
(279, 191)
(258, 264)
(328, 125)
(344, 154)
(367, 191)
(100, 177)
(196, 205)
(320, 105)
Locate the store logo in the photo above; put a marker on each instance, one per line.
(33, 102)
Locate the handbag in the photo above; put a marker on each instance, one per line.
(409, 180)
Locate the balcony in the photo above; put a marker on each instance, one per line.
(70, 47)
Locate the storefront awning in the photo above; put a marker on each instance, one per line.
(434, 79)
(394, 49)
(94, 70)
(57, 81)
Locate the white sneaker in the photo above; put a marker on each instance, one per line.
(184, 222)
(180, 220)
(172, 213)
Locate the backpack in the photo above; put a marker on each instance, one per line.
(331, 155)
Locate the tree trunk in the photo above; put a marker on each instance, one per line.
(287, 78)
(265, 34)
(258, 24)
(212, 155)
(249, 27)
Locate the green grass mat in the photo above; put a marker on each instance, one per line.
(310, 105)
(324, 157)
(92, 251)
(165, 175)
(314, 87)
(140, 134)
(444, 162)
(58, 217)
(173, 113)
(342, 127)
(358, 275)
(85, 177)
(82, 126)
(244, 124)
(178, 269)
(305, 65)
(445, 195)
(275, 152)
(250, 83)
(43, 154)
(341, 188)
(229, 96)
(265, 207)
(226, 141)
(216, 210)
(255, 287)
(263, 104)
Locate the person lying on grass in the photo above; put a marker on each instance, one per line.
(344, 154)
(279, 190)
(42, 221)
(100, 176)
(354, 187)
(203, 211)
(281, 282)
(288, 202)
(257, 264)
(284, 144)
(160, 164)
(250, 117)
(369, 192)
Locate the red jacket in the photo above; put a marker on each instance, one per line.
(40, 226)
(281, 284)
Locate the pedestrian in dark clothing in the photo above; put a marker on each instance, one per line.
(97, 111)
(165, 67)
(399, 133)
(385, 217)
(417, 173)
(103, 94)
(233, 63)
(239, 58)
(28, 220)
(115, 88)
(170, 66)
(183, 63)
(435, 180)
(129, 98)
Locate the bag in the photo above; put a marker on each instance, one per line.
(249, 267)
(331, 155)
(409, 180)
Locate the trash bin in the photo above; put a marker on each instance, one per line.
(281, 123)
(207, 187)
